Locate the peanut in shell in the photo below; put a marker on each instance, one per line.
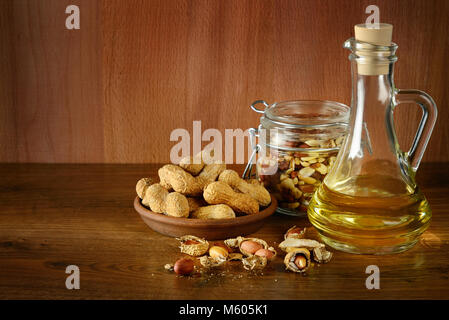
(241, 240)
(290, 259)
(142, 186)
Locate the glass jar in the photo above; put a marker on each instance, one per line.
(298, 143)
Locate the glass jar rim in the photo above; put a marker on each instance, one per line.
(307, 114)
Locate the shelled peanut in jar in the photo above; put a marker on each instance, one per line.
(300, 141)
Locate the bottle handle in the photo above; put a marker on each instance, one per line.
(426, 125)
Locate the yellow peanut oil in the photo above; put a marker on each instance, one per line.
(371, 214)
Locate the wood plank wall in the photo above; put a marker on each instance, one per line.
(137, 69)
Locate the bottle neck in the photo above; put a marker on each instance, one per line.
(372, 98)
(377, 89)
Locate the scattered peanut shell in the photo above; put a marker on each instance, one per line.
(321, 255)
(235, 257)
(295, 232)
(232, 243)
(290, 244)
(254, 262)
(193, 246)
(209, 262)
(297, 260)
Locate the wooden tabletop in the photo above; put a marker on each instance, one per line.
(52, 216)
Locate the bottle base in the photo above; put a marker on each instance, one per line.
(362, 242)
(369, 225)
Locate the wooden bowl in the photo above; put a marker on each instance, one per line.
(208, 229)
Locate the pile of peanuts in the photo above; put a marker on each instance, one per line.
(299, 173)
(200, 190)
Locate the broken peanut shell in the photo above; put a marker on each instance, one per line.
(193, 246)
(290, 244)
(235, 257)
(321, 255)
(232, 243)
(169, 266)
(246, 249)
(295, 232)
(210, 262)
(254, 262)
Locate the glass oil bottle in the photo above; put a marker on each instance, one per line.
(369, 203)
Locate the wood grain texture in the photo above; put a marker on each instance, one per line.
(114, 90)
(52, 216)
(8, 135)
(57, 112)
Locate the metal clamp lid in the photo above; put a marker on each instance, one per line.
(253, 106)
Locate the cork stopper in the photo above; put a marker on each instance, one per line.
(379, 35)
